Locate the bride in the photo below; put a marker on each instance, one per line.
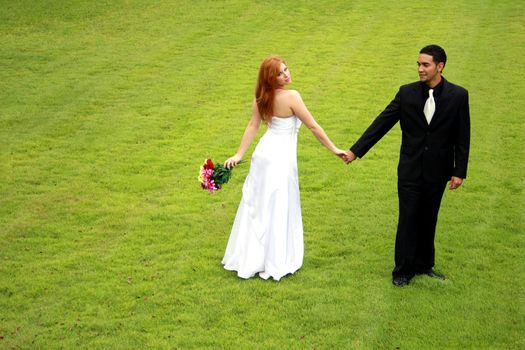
(267, 234)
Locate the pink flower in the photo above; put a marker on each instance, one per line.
(206, 179)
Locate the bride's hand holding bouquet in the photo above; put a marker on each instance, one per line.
(232, 161)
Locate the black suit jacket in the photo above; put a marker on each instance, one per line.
(433, 152)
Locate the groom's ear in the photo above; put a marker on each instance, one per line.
(440, 67)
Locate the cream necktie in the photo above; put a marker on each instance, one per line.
(430, 106)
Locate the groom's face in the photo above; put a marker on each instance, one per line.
(429, 72)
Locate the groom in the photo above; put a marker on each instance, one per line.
(435, 124)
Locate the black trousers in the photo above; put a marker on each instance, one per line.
(419, 203)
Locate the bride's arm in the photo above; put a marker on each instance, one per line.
(300, 110)
(247, 138)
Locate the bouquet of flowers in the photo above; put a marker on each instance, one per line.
(212, 176)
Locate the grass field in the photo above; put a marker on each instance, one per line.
(107, 110)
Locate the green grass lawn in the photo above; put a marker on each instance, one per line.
(107, 110)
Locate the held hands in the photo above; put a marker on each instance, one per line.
(346, 156)
(349, 157)
(232, 161)
(340, 153)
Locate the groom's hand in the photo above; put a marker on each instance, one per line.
(349, 157)
(455, 182)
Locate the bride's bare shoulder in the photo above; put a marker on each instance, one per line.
(291, 94)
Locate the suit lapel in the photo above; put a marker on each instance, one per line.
(446, 95)
(420, 103)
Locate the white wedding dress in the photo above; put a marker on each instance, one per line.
(267, 234)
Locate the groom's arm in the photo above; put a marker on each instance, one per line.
(379, 127)
(462, 143)
(462, 138)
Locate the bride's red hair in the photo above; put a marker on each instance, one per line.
(266, 85)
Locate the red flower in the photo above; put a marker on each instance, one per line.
(208, 164)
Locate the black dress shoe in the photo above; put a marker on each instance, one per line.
(400, 281)
(433, 274)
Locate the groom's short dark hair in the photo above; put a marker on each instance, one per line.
(437, 53)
